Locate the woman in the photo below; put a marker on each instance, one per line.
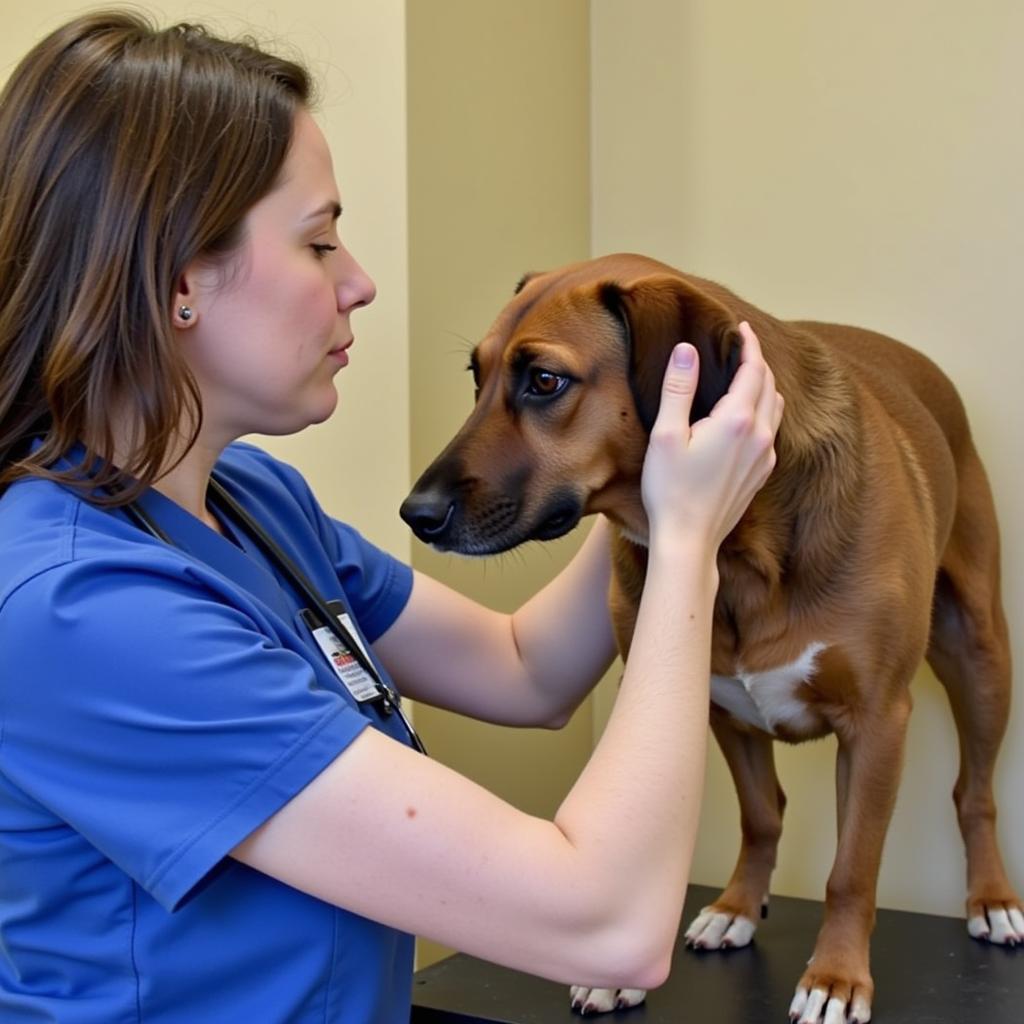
(198, 821)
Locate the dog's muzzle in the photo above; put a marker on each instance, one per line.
(561, 516)
(464, 520)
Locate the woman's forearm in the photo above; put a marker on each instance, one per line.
(632, 814)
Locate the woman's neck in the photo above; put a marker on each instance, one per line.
(187, 482)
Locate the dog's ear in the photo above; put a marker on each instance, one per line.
(659, 312)
(525, 280)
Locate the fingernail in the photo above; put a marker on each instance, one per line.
(683, 355)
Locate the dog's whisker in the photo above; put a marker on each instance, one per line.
(467, 343)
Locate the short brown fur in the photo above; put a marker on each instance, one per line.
(878, 512)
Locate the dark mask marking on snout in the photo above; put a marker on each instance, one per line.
(562, 511)
(454, 511)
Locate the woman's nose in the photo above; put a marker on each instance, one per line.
(355, 286)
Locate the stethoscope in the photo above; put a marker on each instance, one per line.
(220, 499)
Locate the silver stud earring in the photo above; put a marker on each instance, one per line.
(185, 312)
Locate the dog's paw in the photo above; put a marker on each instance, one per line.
(1002, 925)
(604, 1000)
(716, 929)
(833, 990)
(818, 1006)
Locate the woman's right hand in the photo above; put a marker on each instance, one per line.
(698, 480)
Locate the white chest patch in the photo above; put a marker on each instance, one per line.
(767, 699)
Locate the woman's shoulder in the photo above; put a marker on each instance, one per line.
(55, 545)
(247, 462)
(36, 524)
(265, 483)
(279, 496)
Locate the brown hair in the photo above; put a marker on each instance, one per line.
(126, 152)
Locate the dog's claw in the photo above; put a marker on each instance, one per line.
(997, 925)
(589, 1002)
(715, 929)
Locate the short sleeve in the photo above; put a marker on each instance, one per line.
(378, 585)
(156, 718)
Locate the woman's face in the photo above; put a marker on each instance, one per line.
(272, 328)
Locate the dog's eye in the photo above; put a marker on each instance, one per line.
(545, 384)
(475, 370)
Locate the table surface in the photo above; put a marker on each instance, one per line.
(927, 970)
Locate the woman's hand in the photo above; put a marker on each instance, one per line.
(698, 481)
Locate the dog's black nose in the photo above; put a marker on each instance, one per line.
(428, 514)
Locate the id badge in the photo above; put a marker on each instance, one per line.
(350, 673)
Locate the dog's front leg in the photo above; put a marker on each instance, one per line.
(837, 984)
(730, 922)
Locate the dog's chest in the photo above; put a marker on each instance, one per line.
(774, 699)
(769, 700)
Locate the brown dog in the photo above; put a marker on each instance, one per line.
(873, 545)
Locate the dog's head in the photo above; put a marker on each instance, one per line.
(568, 383)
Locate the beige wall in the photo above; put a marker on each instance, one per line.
(498, 173)
(358, 461)
(860, 163)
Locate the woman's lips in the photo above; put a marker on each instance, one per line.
(340, 352)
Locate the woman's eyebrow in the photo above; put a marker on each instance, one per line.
(331, 206)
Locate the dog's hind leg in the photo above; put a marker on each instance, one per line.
(731, 920)
(969, 651)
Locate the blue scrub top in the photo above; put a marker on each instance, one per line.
(157, 704)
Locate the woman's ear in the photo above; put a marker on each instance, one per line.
(184, 313)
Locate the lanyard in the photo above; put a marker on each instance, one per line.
(221, 499)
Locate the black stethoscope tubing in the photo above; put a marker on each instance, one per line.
(219, 496)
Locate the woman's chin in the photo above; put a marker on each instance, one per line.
(295, 420)
(327, 407)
